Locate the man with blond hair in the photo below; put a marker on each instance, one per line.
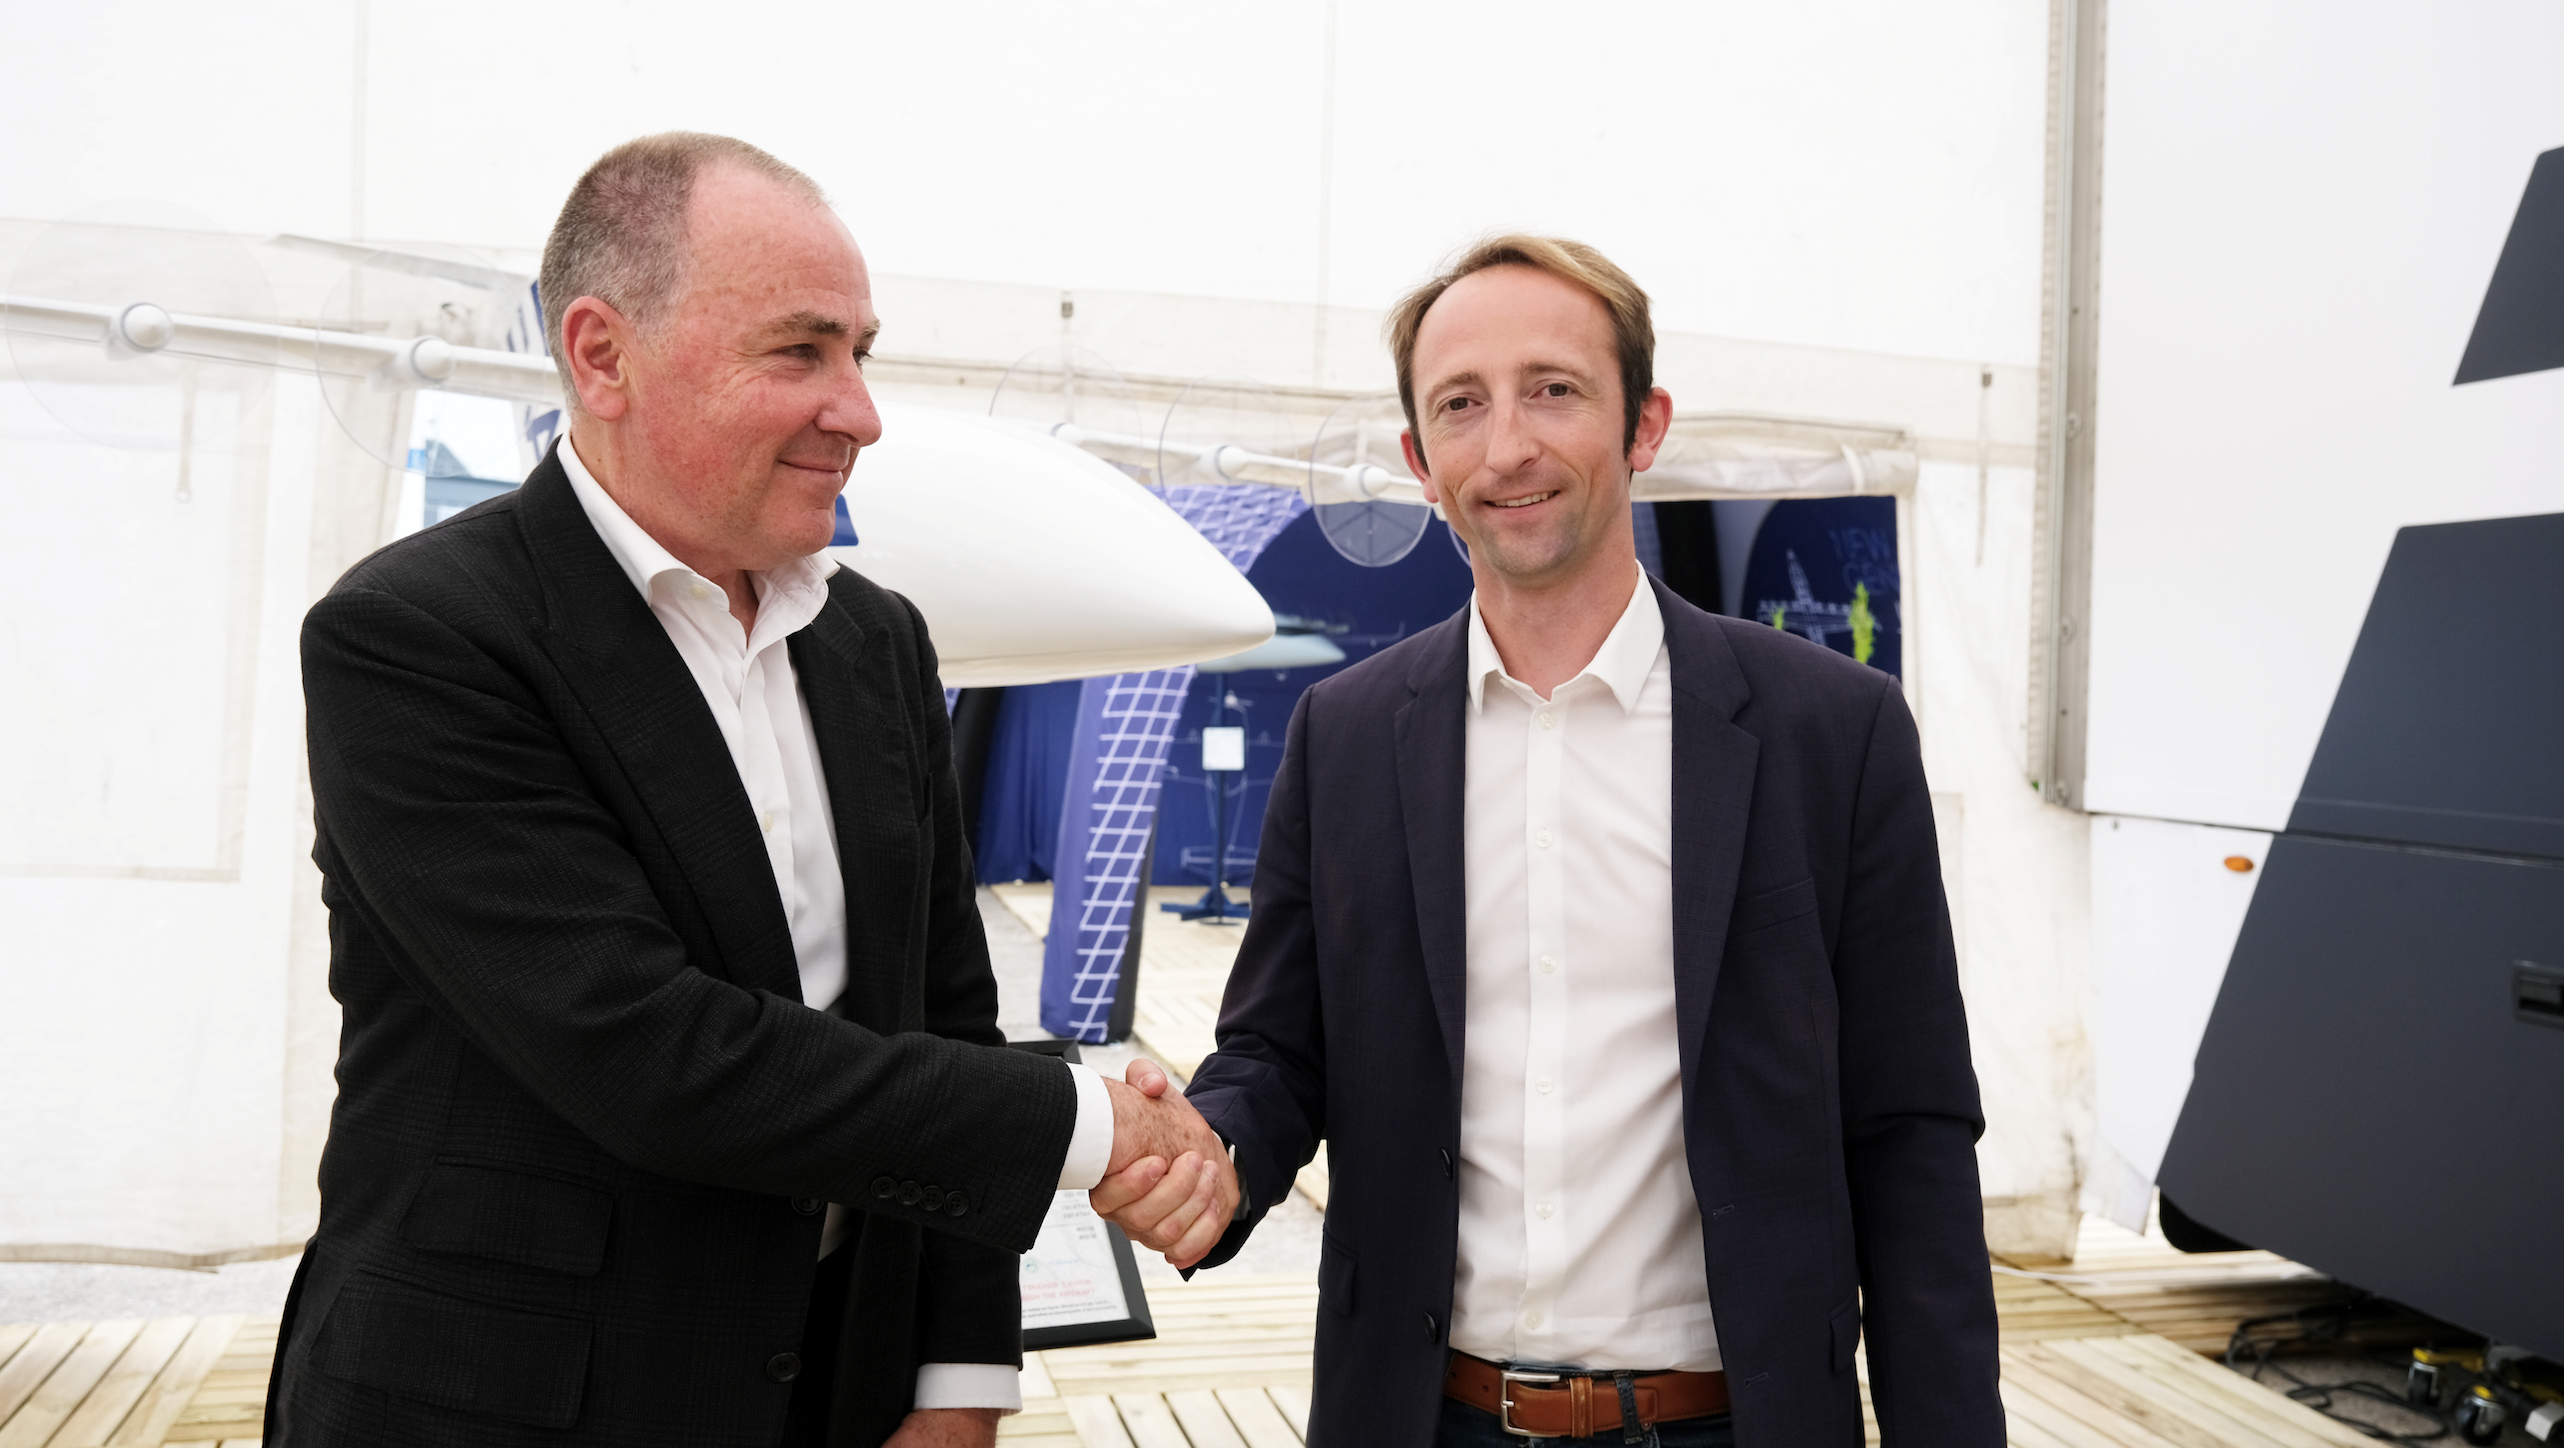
(672, 1106)
(1602, 942)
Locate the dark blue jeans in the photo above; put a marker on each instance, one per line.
(1467, 1427)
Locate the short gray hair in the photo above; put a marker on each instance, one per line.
(621, 235)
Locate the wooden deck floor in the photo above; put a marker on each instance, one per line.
(1230, 1368)
(2115, 1351)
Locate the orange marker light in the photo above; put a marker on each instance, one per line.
(2238, 863)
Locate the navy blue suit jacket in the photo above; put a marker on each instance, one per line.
(1830, 1110)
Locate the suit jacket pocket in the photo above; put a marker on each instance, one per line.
(1335, 1272)
(1846, 1324)
(510, 1216)
(496, 1362)
(1774, 907)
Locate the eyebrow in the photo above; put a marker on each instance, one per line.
(1456, 379)
(806, 323)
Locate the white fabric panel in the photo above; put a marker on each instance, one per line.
(157, 1023)
(2013, 867)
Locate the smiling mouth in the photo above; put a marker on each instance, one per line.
(1522, 502)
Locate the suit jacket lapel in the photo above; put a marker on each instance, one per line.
(1714, 763)
(865, 750)
(644, 703)
(1432, 771)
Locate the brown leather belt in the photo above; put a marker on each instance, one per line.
(1578, 1405)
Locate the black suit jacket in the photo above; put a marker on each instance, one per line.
(584, 1124)
(1829, 1106)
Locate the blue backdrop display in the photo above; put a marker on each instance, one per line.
(1027, 770)
(1361, 611)
(1825, 569)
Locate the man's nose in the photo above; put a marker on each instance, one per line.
(1511, 445)
(850, 412)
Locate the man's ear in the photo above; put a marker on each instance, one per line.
(1655, 419)
(1414, 451)
(597, 341)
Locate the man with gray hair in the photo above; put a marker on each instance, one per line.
(667, 1111)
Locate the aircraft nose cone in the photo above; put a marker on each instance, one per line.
(1033, 560)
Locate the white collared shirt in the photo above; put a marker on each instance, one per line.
(748, 681)
(1580, 1241)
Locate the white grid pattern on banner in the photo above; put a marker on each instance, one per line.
(1136, 728)
(1138, 721)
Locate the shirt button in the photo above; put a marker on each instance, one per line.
(1531, 1318)
(1548, 720)
(884, 1188)
(768, 822)
(1548, 965)
(1546, 1211)
(1541, 838)
(1543, 1083)
(909, 1193)
(699, 591)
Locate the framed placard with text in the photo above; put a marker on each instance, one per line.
(1081, 1283)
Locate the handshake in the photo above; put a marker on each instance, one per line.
(1169, 1184)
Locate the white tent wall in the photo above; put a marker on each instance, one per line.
(1837, 207)
(168, 1036)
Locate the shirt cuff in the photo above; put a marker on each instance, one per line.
(970, 1385)
(1090, 1150)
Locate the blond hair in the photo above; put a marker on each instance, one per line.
(1633, 334)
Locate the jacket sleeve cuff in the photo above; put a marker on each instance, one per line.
(970, 1385)
(1090, 1150)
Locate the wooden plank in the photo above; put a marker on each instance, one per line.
(59, 1396)
(2021, 1432)
(1151, 1425)
(13, 1336)
(1206, 1423)
(1293, 1405)
(2175, 1417)
(95, 1420)
(2187, 1372)
(2022, 1406)
(2070, 1414)
(35, 1360)
(1098, 1426)
(170, 1393)
(1259, 1422)
(1036, 1379)
(205, 1421)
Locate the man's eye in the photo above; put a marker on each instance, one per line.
(1558, 389)
(1455, 404)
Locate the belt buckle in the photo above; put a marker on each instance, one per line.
(1504, 1397)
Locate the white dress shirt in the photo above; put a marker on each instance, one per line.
(1580, 1242)
(748, 682)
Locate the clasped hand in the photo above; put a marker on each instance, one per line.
(1169, 1184)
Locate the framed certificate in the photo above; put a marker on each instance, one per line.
(1081, 1283)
